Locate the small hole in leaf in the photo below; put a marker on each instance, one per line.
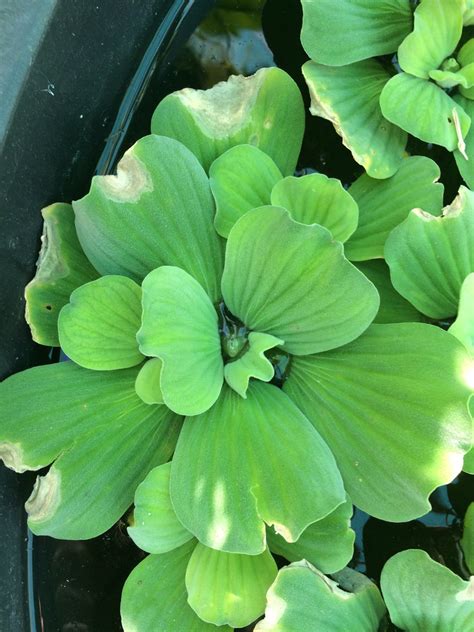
(450, 120)
(48, 307)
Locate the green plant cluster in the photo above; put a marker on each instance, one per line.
(250, 355)
(382, 70)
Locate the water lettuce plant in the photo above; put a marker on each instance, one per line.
(373, 98)
(224, 368)
(420, 595)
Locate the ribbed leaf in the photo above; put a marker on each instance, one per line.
(392, 407)
(111, 459)
(463, 329)
(303, 599)
(292, 280)
(252, 364)
(148, 382)
(317, 199)
(463, 326)
(467, 540)
(354, 30)
(436, 32)
(62, 266)
(98, 327)
(466, 167)
(429, 257)
(155, 528)
(349, 97)
(328, 543)
(33, 432)
(180, 327)
(424, 596)
(154, 597)
(393, 307)
(139, 219)
(105, 439)
(246, 462)
(227, 588)
(265, 110)
(241, 179)
(383, 204)
(425, 110)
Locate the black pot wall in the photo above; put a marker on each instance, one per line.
(65, 68)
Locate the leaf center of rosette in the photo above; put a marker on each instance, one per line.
(450, 65)
(233, 333)
(249, 354)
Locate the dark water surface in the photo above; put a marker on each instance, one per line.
(76, 586)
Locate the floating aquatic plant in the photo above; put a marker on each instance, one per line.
(221, 346)
(374, 100)
(420, 595)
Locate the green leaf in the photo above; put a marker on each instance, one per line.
(228, 588)
(349, 97)
(328, 543)
(155, 598)
(139, 219)
(241, 179)
(62, 266)
(429, 257)
(180, 326)
(98, 328)
(105, 439)
(155, 527)
(393, 307)
(466, 166)
(292, 280)
(469, 458)
(246, 462)
(34, 432)
(447, 79)
(424, 596)
(437, 30)
(467, 540)
(303, 599)
(148, 382)
(424, 110)
(468, 12)
(357, 30)
(253, 363)
(392, 407)
(383, 204)
(317, 199)
(265, 110)
(463, 326)
(463, 329)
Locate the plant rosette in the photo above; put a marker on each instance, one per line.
(420, 595)
(430, 95)
(183, 323)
